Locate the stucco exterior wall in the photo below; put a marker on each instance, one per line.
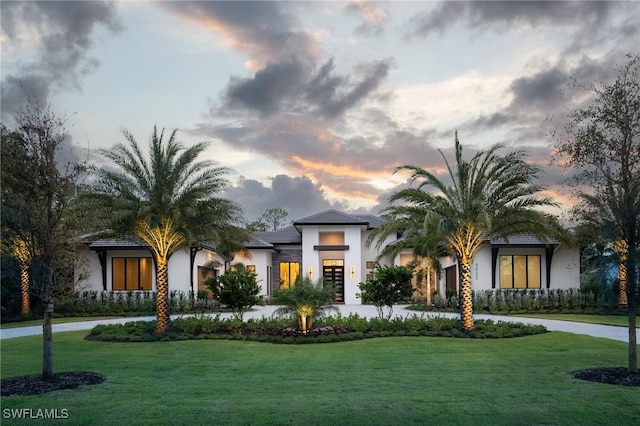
(261, 259)
(88, 272)
(565, 268)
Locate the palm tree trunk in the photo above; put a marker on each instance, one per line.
(622, 285)
(620, 247)
(24, 289)
(466, 299)
(429, 288)
(162, 288)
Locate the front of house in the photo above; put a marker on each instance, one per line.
(329, 245)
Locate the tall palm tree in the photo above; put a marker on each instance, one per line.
(489, 196)
(167, 200)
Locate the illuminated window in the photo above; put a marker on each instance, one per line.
(131, 273)
(519, 271)
(289, 272)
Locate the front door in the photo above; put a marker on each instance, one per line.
(333, 272)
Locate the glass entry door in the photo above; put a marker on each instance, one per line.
(333, 272)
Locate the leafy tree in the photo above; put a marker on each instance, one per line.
(306, 300)
(271, 220)
(602, 144)
(166, 200)
(39, 185)
(389, 286)
(236, 289)
(489, 195)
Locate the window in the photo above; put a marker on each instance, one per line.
(520, 271)
(204, 274)
(131, 273)
(289, 272)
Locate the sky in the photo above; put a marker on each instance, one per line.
(314, 104)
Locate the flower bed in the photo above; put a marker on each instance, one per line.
(329, 329)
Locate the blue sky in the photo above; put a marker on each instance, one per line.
(313, 104)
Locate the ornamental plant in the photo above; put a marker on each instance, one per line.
(306, 300)
(389, 285)
(237, 289)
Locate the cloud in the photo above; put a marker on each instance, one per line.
(373, 15)
(293, 105)
(334, 94)
(60, 34)
(501, 15)
(261, 30)
(540, 101)
(267, 90)
(299, 196)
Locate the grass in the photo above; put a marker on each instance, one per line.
(615, 320)
(406, 380)
(61, 320)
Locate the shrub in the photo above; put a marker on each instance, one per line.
(237, 289)
(389, 286)
(306, 301)
(281, 331)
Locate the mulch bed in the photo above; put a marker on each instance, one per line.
(34, 385)
(611, 376)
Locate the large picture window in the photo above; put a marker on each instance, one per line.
(520, 271)
(289, 272)
(132, 273)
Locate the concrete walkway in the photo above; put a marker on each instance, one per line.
(367, 311)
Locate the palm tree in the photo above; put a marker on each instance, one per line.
(306, 301)
(168, 201)
(21, 253)
(489, 196)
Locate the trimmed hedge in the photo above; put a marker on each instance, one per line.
(327, 330)
(528, 300)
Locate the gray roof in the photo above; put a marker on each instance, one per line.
(523, 240)
(116, 244)
(288, 235)
(258, 243)
(121, 244)
(331, 217)
(374, 221)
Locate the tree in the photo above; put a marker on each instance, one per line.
(306, 301)
(602, 144)
(167, 201)
(39, 185)
(389, 286)
(271, 220)
(237, 289)
(489, 196)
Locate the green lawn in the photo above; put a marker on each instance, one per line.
(616, 320)
(54, 321)
(404, 380)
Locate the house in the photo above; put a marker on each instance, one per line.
(329, 245)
